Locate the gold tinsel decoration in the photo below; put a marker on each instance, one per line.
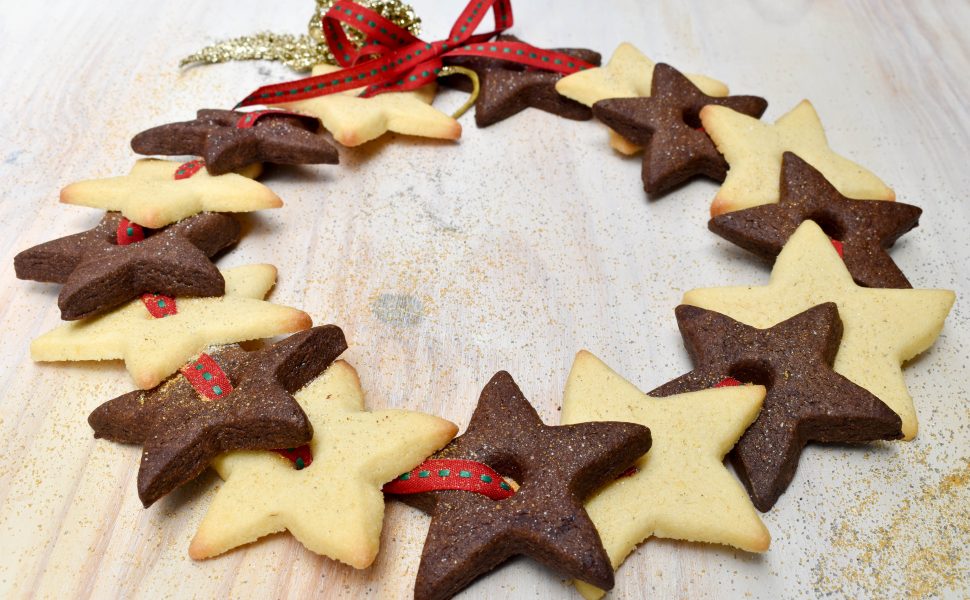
(301, 52)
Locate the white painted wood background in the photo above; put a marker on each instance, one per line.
(510, 250)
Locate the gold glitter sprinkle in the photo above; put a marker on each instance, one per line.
(919, 553)
(300, 52)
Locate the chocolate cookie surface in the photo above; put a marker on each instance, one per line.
(556, 469)
(100, 273)
(237, 400)
(667, 124)
(865, 228)
(806, 400)
(507, 88)
(227, 141)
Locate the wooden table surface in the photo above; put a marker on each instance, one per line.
(511, 249)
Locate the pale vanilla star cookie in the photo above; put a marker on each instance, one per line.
(628, 74)
(154, 348)
(354, 120)
(754, 150)
(334, 506)
(681, 489)
(883, 328)
(151, 196)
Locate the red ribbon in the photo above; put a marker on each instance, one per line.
(838, 248)
(159, 306)
(301, 457)
(186, 170)
(128, 232)
(392, 59)
(207, 377)
(451, 474)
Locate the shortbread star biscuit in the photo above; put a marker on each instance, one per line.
(106, 266)
(333, 506)
(754, 150)
(245, 402)
(681, 489)
(354, 120)
(555, 467)
(230, 140)
(154, 348)
(151, 196)
(883, 327)
(628, 74)
(806, 400)
(863, 228)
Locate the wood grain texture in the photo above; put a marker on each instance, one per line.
(511, 249)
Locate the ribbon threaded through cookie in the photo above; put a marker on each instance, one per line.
(188, 169)
(249, 119)
(438, 474)
(301, 457)
(158, 306)
(207, 377)
(391, 58)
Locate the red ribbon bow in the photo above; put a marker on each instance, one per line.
(392, 59)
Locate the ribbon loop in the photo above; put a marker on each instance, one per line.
(393, 59)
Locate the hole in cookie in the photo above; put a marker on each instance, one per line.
(692, 118)
(754, 372)
(829, 224)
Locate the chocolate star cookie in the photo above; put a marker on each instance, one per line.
(507, 88)
(227, 400)
(865, 228)
(806, 400)
(98, 273)
(667, 124)
(556, 469)
(229, 139)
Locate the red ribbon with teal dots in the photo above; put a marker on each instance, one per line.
(392, 59)
(451, 474)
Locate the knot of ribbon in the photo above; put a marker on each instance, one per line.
(392, 59)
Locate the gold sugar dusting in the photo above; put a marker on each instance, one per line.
(921, 552)
(301, 52)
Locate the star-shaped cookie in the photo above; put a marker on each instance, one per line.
(556, 468)
(182, 430)
(754, 151)
(507, 88)
(883, 328)
(666, 124)
(151, 196)
(216, 136)
(154, 348)
(865, 228)
(354, 120)
(334, 506)
(628, 74)
(680, 489)
(99, 274)
(806, 399)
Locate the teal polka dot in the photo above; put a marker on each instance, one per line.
(217, 390)
(405, 476)
(207, 376)
(486, 478)
(424, 474)
(444, 472)
(464, 474)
